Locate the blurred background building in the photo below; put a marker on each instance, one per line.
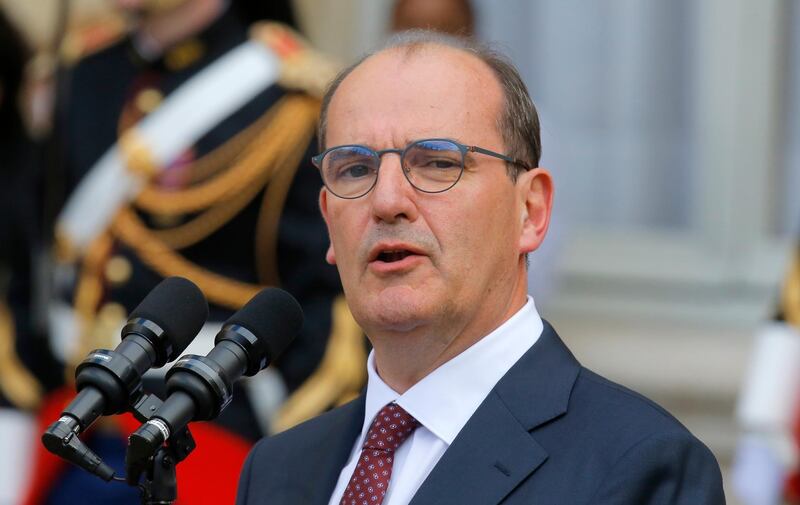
(672, 129)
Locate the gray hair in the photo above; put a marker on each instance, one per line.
(518, 122)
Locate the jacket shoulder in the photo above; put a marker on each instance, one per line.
(308, 434)
(614, 419)
(613, 403)
(646, 453)
(627, 448)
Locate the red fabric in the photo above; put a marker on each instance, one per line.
(793, 488)
(370, 480)
(208, 476)
(793, 482)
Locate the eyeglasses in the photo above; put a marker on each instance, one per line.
(430, 165)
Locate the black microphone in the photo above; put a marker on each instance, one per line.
(199, 387)
(157, 332)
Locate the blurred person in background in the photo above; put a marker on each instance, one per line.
(453, 17)
(25, 358)
(16, 150)
(767, 464)
(226, 198)
(791, 315)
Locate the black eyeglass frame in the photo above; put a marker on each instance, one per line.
(317, 161)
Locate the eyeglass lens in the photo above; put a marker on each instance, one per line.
(429, 165)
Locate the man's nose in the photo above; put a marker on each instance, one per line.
(393, 197)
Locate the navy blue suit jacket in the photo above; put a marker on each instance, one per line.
(550, 433)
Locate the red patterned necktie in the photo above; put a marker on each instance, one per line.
(391, 427)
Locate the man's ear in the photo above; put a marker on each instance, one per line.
(536, 195)
(330, 255)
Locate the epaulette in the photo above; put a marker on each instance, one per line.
(87, 38)
(302, 67)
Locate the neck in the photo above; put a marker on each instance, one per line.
(163, 30)
(404, 358)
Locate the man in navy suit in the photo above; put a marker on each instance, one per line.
(472, 398)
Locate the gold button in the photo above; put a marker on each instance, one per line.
(148, 100)
(138, 158)
(185, 54)
(118, 270)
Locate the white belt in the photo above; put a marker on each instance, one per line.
(184, 117)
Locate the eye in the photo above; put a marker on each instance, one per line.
(354, 171)
(430, 162)
(434, 156)
(442, 163)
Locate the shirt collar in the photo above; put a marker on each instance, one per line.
(446, 398)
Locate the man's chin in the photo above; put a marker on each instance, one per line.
(394, 310)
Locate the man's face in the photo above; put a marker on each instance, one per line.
(410, 261)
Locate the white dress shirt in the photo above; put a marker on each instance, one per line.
(443, 401)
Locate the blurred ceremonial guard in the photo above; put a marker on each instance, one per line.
(791, 314)
(767, 464)
(185, 149)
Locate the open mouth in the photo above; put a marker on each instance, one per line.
(393, 255)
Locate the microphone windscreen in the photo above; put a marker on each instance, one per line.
(179, 308)
(274, 317)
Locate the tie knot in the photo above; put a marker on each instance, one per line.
(390, 428)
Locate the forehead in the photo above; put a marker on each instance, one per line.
(399, 95)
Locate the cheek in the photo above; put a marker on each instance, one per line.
(346, 237)
(458, 230)
(479, 233)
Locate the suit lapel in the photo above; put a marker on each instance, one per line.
(490, 456)
(497, 449)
